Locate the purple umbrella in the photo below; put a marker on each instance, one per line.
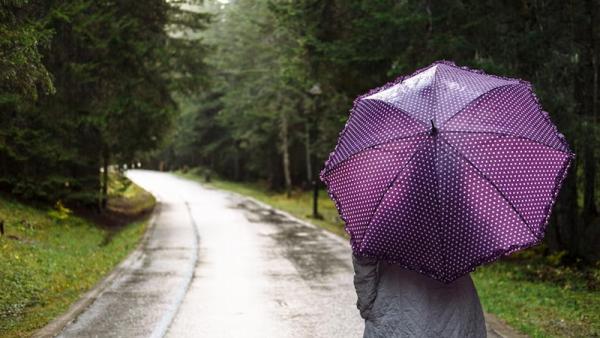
(446, 169)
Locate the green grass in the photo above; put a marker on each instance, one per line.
(47, 263)
(127, 198)
(524, 290)
(540, 308)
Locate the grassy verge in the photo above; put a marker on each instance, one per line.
(524, 290)
(49, 258)
(127, 198)
(538, 306)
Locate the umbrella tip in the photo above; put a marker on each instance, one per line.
(434, 130)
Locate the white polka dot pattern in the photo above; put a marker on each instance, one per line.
(373, 122)
(510, 110)
(369, 173)
(456, 88)
(522, 170)
(438, 92)
(414, 95)
(446, 169)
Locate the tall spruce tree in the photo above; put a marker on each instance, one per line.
(114, 67)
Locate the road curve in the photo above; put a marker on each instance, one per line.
(219, 265)
(216, 264)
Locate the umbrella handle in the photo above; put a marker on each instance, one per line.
(434, 130)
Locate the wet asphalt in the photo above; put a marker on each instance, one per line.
(219, 265)
(216, 264)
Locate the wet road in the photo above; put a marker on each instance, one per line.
(218, 265)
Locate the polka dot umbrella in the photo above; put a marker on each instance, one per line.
(446, 169)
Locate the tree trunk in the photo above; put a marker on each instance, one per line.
(104, 196)
(309, 172)
(567, 215)
(286, 153)
(236, 164)
(589, 157)
(590, 166)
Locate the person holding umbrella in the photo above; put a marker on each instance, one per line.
(435, 174)
(398, 302)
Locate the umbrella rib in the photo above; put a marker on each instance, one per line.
(433, 96)
(435, 121)
(391, 184)
(439, 206)
(505, 135)
(480, 173)
(475, 100)
(373, 147)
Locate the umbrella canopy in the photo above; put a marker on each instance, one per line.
(446, 169)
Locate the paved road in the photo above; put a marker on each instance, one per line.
(217, 265)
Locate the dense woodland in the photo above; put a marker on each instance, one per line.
(86, 84)
(259, 90)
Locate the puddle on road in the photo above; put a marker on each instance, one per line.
(308, 248)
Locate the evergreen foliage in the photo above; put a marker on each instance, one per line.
(268, 55)
(86, 84)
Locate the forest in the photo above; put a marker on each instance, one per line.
(259, 90)
(86, 84)
(284, 74)
(250, 97)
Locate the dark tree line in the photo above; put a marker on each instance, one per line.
(88, 83)
(85, 84)
(261, 120)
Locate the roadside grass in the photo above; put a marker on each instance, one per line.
(528, 291)
(127, 198)
(537, 305)
(47, 261)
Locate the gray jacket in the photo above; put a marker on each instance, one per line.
(396, 302)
